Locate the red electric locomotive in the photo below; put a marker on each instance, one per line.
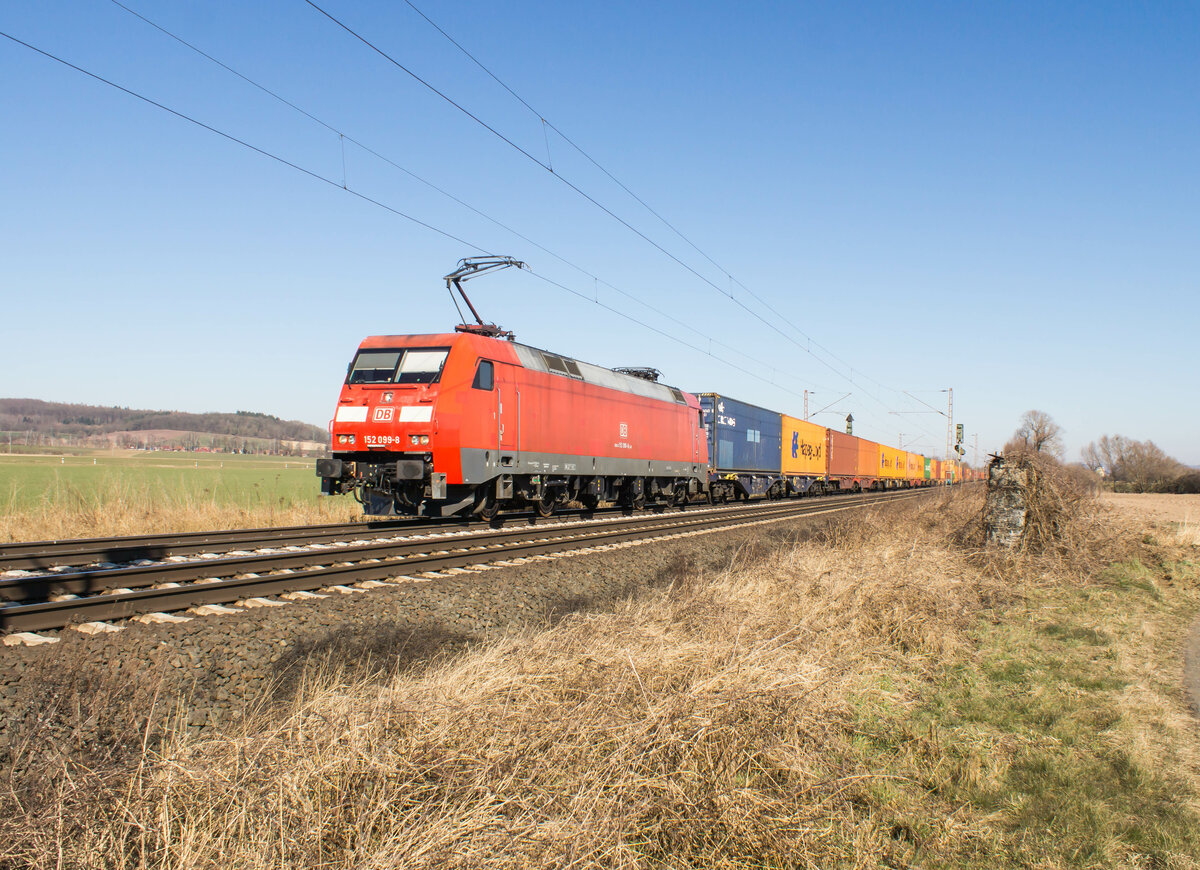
(472, 421)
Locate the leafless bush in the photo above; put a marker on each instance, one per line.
(1068, 533)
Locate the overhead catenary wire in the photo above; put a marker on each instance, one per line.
(229, 136)
(362, 196)
(666, 335)
(333, 183)
(568, 183)
(343, 137)
(641, 201)
(804, 346)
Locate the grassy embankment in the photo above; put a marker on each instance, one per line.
(125, 492)
(885, 695)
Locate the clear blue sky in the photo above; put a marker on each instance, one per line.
(1002, 199)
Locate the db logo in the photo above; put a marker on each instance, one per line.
(383, 415)
(624, 430)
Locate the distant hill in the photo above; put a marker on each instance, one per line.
(93, 423)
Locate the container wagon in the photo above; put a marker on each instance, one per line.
(744, 448)
(805, 456)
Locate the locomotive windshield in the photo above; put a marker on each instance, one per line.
(403, 366)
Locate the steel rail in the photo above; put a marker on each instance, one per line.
(119, 605)
(77, 552)
(82, 551)
(93, 581)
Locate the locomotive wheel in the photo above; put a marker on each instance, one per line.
(486, 504)
(589, 502)
(489, 509)
(545, 505)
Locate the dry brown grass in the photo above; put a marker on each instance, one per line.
(730, 720)
(1177, 516)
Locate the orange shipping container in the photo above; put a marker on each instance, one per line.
(868, 459)
(843, 454)
(805, 448)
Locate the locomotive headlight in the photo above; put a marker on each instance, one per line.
(341, 439)
(414, 440)
(424, 439)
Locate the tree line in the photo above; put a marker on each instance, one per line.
(58, 418)
(1125, 464)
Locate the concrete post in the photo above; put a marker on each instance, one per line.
(1006, 510)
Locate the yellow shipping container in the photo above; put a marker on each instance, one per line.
(805, 448)
(891, 462)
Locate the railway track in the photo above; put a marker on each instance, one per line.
(34, 555)
(54, 600)
(78, 552)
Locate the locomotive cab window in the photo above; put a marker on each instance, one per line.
(422, 366)
(485, 375)
(399, 366)
(373, 367)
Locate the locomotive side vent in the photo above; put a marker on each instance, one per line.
(562, 366)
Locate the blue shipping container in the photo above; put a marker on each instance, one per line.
(741, 437)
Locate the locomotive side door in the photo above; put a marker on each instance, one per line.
(508, 409)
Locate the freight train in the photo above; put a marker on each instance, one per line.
(472, 422)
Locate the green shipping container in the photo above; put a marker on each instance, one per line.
(928, 468)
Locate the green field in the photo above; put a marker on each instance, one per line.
(100, 492)
(95, 478)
